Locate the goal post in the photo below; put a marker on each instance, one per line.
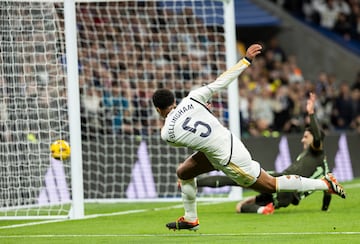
(77, 204)
(233, 89)
(85, 71)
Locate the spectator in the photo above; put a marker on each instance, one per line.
(115, 105)
(262, 114)
(356, 83)
(278, 52)
(328, 12)
(91, 110)
(283, 109)
(344, 7)
(295, 73)
(143, 110)
(321, 84)
(343, 27)
(342, 112)
(297, 96)
(310, 14)
(355, 96)
(356, 28)
(4, 115)
(244, 110)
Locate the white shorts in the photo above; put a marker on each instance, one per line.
(241, 168)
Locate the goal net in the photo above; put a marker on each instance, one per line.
(126, 50)
(33, 110)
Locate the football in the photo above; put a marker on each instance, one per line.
(60, 149)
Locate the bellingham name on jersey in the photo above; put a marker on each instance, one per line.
(174, 118)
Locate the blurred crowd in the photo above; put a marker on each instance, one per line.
(127, 49)
(339, 16)
(158, 47)
(274, 92)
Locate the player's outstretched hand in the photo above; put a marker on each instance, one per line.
(253, 50)
(310, 105)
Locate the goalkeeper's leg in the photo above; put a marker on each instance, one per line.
(260, 204)
(215, 181)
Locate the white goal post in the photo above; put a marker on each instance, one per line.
(85, 71)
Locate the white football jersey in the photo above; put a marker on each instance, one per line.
(192, 125)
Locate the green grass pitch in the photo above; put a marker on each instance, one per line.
(145, 223)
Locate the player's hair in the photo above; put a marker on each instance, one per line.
(163, 98)
(309, 129)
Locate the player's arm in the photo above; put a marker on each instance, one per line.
(204, 93)
(314, 124)
(228, 76)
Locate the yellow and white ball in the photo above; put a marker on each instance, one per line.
(60, 149)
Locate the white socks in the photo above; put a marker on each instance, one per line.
(298, 183)
(260, 210)
(188, 194)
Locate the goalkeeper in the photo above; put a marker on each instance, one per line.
(311, 162)
(190, 124)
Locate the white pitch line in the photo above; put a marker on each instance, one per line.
(165, 235)
(92, 216)
(100, 215)
(351, 186)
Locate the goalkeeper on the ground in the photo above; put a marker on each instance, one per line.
(311, 162)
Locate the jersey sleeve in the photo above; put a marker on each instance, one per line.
(204, 93)
(315, 127)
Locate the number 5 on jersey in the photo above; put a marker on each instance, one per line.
(186, 126)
